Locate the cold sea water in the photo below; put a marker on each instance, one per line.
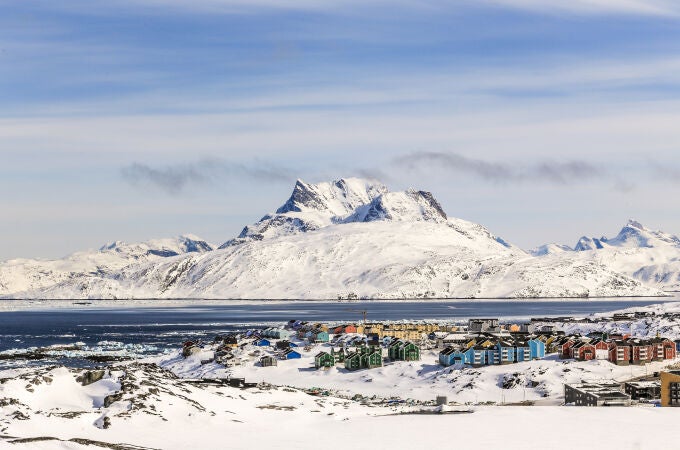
(77, 334)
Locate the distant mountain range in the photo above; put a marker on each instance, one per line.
(353, 238)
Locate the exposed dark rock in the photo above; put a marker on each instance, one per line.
(91, 376)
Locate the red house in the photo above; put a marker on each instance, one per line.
(663, 348)
(345, 329)
(565, 349)
(601, 349)
(641, 351)
(620, 353)
(583, 351)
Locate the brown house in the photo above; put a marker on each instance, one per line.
(670, 388)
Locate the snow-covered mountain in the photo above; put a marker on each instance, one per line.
(650, 256)
(550, 249)
(31, 275)
(348, 238)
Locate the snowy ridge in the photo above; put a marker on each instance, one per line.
(650, 256)
(20, 275)
(342, 239)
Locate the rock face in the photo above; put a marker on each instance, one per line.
(91, 376)
(350, 238)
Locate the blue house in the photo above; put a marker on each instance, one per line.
(291, 354)
(522, 351)
(319, 336)
(263, 343)
(493, 355)
(450, 356)
(536, 349)
(479, 356)
(505, 353)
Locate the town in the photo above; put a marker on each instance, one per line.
(478, 343)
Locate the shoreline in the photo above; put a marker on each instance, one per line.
(16, 305)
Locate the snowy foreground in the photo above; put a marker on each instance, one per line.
(153, 403)
(49, 409)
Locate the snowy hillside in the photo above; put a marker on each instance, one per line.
(349, 238)
(19, 275)
(140, 406)
(652, 257)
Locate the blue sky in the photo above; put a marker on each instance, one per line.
(134, 119)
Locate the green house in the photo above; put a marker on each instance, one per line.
(339, 356)
(400, 350)
(364, 358)
(393, 349)
(353, 361)
(409, 352)
(324, 359)
(372, 359)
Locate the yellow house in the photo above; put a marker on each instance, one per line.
(670, 388)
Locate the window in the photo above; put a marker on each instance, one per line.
(674, 394)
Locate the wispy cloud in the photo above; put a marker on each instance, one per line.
(668, 173)
(501, 172)
(173, 179)
(639, 7)
(645, 7)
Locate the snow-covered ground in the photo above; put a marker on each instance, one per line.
(150, 404)
(51, 410)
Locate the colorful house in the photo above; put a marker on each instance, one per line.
(353, 361)
(583, 351)
(364, 358)
(372, 358)
(291, 354)
(536, 349)
(505, 353)
(324, 359)
(319, 336)
(663, 349)
(619, 353)
(522, 351)
(263, 343)
(478, 356)
(403, 351)
(451, 356)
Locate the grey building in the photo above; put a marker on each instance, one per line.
(483, 326)
(595, 394)
(643, 390)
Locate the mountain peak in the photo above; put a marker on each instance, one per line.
(632, 223)
(339, 197)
